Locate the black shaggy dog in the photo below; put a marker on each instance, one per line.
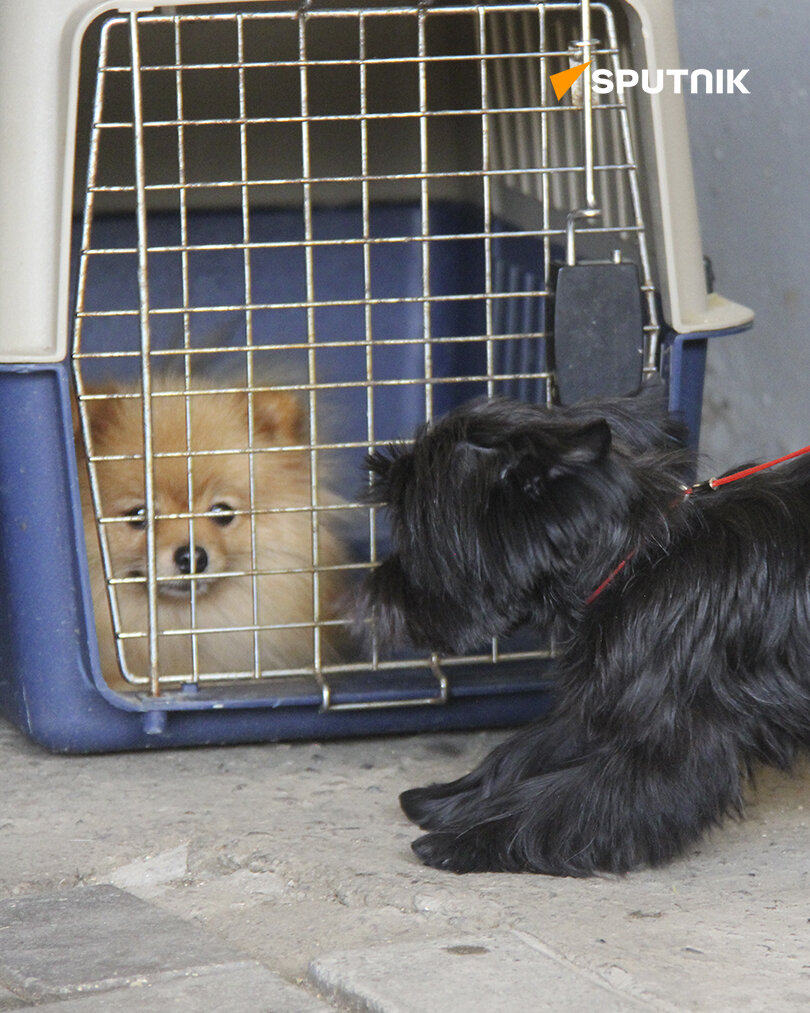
(682, 615)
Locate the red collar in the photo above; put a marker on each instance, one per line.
(711, 483)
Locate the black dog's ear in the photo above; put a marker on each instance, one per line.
(570, 451)
(589, 445)
(378, 463)
(388, 468)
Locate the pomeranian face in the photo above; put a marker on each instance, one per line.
(233, 541)
(201, 493)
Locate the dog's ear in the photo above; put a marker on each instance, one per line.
(103, 414)
(389, 468)
(537, 464)
(378, 463)
(278, 417)
(588, 446)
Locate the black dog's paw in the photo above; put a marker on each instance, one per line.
(415, 805)
(423, 806)
(455, 853)
(442, 806)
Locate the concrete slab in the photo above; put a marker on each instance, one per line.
(242, 988)
(10, 1002)
(97, 938)
(477, 974)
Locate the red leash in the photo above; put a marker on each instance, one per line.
(715, 483)
(711, 483)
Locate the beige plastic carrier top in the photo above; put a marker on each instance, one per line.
(39, 78)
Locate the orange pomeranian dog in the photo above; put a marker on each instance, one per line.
(235, 548)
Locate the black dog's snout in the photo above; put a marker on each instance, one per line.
(182, 559)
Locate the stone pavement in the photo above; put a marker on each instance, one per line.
(85, 943)
(278, 879)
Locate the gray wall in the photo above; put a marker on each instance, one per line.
(751, 157)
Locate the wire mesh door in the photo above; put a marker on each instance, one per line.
(306, 231)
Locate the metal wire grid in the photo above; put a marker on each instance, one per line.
(523, 143)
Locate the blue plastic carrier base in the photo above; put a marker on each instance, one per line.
(49, 686)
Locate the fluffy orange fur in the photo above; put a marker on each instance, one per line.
(233, 536)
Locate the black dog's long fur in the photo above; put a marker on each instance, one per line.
(688, 668)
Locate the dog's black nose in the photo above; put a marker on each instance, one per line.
(182, 559)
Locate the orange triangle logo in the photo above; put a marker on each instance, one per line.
(562, 82)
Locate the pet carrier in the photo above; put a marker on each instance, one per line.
(315, 226)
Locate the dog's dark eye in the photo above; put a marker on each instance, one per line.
(222, 514)
(136, 517)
